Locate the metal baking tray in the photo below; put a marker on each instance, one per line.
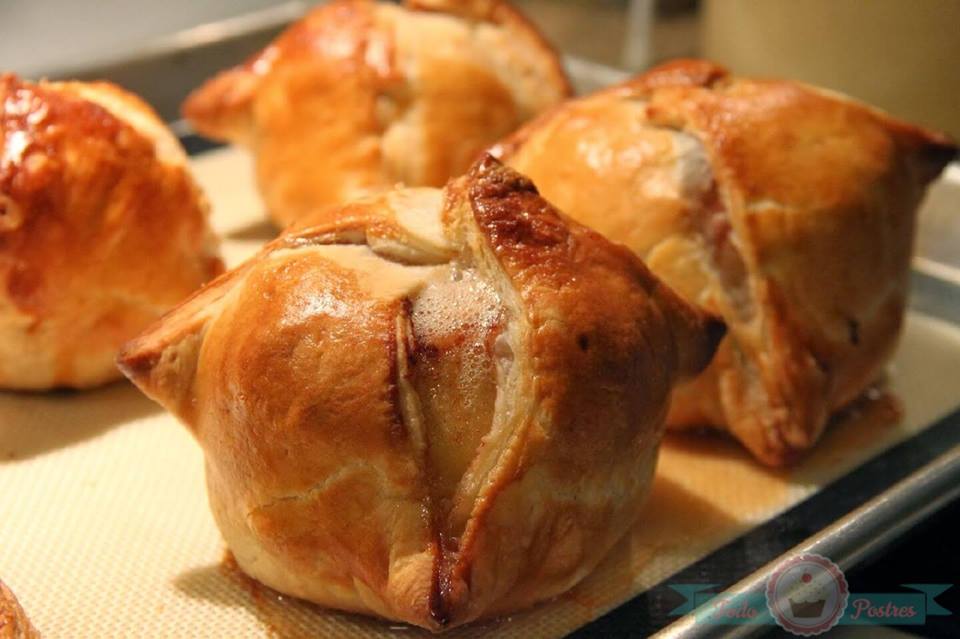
(848, 520)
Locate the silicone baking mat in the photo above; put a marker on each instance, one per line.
(105, 530)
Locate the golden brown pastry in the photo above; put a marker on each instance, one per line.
(439, 406)
(361, 95)
(788, 210)
(102, 230)
(14, 623)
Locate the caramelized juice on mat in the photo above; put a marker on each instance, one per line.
(272, 609)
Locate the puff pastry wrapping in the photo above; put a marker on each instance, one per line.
(14, 623)
(787, 209)
(361, 95)
(432, 406)
(102, 229)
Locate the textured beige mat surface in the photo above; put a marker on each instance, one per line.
(105, 531)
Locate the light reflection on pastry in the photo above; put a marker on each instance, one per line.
(787, 209)
(361, 95)
(102, 230)
(439, 406)
(14, 623)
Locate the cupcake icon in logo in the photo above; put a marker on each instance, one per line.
(807, 595)
(807, 598)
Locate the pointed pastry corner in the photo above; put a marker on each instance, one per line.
(137, 359)
(486, 163)
(162, 361)
(220, 107)
(490, 170)
(697, 333)
(936, 153)
(712, 330)
(684, 72)
(140, 359)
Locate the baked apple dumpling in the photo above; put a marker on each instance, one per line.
(434, 406)
(361, 95)
(102, 230)
(788, 210)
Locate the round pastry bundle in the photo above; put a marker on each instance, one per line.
(430, 405)
(788, 210)
(360, 95)
(102, 230)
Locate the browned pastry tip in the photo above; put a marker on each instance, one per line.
(498, 193)
(787, 209)
(222, 109)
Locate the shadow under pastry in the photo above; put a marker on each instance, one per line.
(261, 230)
(674, 522)
(33, 424)
(282, 616)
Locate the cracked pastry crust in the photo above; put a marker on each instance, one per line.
(14, 623)
(433, 406)
(788, 210)
(102, 230)
(361, 95)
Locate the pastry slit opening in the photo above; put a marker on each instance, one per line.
(414, 422)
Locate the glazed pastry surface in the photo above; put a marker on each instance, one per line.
(788, 210)
(433, 406)
(360, 95)
(102, 230)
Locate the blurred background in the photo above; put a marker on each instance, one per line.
(899, 55)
